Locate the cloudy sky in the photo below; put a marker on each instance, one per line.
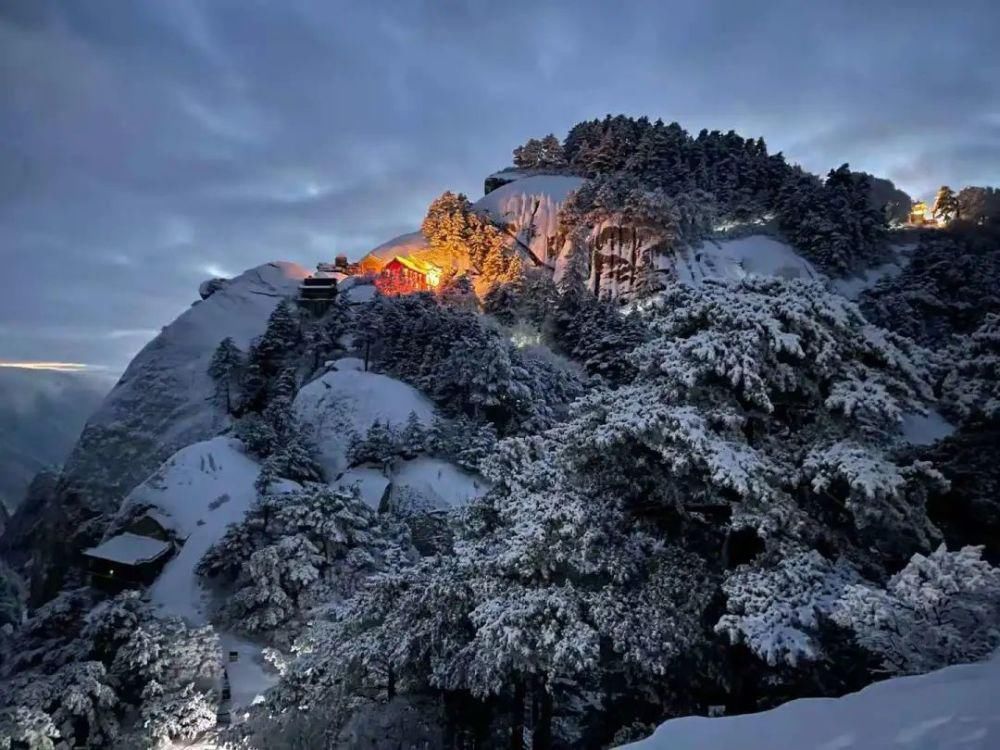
(145, 146)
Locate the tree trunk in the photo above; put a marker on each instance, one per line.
(542, 735)
(517, 717)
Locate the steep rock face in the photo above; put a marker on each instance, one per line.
(162, 403)
(529, 209)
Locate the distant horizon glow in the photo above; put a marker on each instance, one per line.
(52, 366)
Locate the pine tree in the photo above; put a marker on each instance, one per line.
(530, 155)
(946, 205)
(551, 154)
(413, 437)
(224, 369)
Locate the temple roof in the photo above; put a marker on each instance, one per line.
(129, 549)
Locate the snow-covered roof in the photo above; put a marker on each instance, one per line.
(414, 264)
(129, 549)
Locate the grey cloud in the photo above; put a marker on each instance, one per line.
(141, 148)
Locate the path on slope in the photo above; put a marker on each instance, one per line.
(198, 493)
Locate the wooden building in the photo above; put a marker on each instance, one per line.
(317, 292)
(403, 275)
(126, 561)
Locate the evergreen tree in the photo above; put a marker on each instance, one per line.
(413, 437)
(946, 205)
(224, 369)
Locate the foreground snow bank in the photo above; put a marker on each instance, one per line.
(957, 707)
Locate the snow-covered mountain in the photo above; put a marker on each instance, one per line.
(593, 515)
(163, 402)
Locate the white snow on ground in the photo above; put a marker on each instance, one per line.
(440, 484)
(924, 429)
(360, 293)
(200, 491)
(957, 708)
(732, 260)
(343, 402)
(853, 286)
(348, 363)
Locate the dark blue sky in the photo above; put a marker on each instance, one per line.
(145, 146)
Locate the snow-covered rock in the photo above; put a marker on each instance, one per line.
(343, 402)
(433, 484)
(732, 260)
(529, 207)
(925, 429)
(956, 707)
(210, 286)
(371, 484)
(163, 402)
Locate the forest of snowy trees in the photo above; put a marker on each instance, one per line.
(653, 187)
(704, 501)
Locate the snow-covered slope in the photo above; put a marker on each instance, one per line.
(198, 493)
(954, 708)
(342, 402)
(163, 401)
(731, 260)
(853, 286)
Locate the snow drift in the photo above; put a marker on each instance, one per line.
(955, 707)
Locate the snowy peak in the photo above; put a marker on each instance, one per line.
(163, 402)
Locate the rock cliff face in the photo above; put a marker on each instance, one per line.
(163, 402)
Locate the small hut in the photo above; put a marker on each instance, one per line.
(126, 561)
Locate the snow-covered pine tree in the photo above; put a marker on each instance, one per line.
(946, 204)
(224, 368)
(413, 437)
(298, 549)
